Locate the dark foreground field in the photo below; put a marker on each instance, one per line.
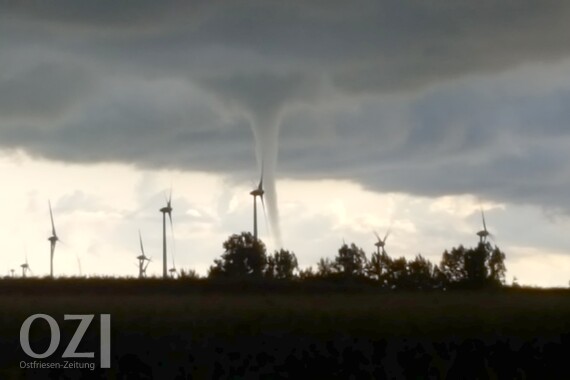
(231, 331)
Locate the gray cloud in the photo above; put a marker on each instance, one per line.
(395, 95)
(45, 90)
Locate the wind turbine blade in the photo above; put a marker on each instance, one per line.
(386, 236)
(261, 176)
(264, 211)
(483, 217)
(140, 240)
(51, 217)
(377, 236)
(148, 262)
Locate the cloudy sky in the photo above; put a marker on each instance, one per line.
(410, 114)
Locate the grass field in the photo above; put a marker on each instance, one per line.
(180, 331)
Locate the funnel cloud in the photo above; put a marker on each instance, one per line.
(263, 99)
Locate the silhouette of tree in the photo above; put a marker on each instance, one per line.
(189, 273)
(497, 269)
(307, 273)
(325, 267)
(421, 273)
(475, 267)
(452, 265)
(244, 256)
(281, 265)
(398, 274)
(439, 279)
(378, 268)
(350, 261)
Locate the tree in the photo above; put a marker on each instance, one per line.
(325, 267)
(281, 265)
(398, 274)
(350, 261)
(421, 273)
(475, 261)
(439, 279)
(244, 256)
(452, 265)
(189, 273)
(497, 269)
(378, 267)
(307, 273)
(475, 267)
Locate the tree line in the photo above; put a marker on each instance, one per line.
(479, 267)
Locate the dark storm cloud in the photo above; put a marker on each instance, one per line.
(45, 90)
(367, 88)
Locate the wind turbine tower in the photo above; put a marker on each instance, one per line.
(257, 192)
(53, 239)
(165, 210)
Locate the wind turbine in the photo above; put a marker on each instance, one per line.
(165, 210)
(257, 192)
(483, 234)
(142, 258)
(381, 243)
(25, 267)
(52, 239)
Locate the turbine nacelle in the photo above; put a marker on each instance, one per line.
(257, 192)
(484, 233)
(167, 209)
(381, 243)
